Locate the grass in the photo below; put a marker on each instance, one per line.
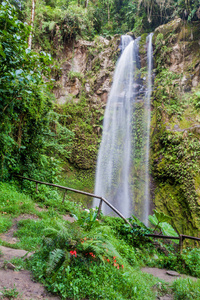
(10, 293)
(78, 180)
(186, 289)
(95, 276)
(14, 203)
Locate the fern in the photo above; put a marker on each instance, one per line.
(65, 236)
(55, 257)
(102, 243)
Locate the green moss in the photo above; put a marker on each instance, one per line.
(175, 153)
(170, 28)
(170, 200)
(175, 162)
(142, 44)
(85, 121)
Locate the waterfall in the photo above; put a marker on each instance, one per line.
(122, 163)
(148, 118)
(124, 41)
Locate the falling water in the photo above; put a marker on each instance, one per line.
(125, 40)
(122, 164)
(148, 118)
(114, 159)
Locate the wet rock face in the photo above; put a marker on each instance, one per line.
(82, 84)
(87, 67)
(175, 124)
(181, 42)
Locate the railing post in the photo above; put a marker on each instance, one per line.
(181, 244)
(99, 209)
(65, 193)
(36, 187)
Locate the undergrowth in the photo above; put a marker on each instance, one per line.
(186, 289)
(90, 258)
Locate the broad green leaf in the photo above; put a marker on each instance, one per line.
(197, 94)
(167, 229)
(153, 220)
(161, 217)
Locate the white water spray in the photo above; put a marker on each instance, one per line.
(117, 167)
(148, 123)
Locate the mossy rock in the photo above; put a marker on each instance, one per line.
(143, 50)
(142, 44)
(169, 28)
(169, 199)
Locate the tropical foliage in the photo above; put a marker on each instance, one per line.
(26, 128)
(59, 21)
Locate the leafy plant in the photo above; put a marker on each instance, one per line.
(191, 258)
(88, 218)
(187, 289)
(25, 98)
(10, 293)
(159, 220)
(69, 257)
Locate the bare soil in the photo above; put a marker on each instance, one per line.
(163, 274)
(21, 280)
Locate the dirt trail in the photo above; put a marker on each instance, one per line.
(30, 290)
(27, 288)
(166, 275)
(163, 274)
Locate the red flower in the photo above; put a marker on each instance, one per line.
(122, 266)
(108, 260)
(73, 253)
(92, 254)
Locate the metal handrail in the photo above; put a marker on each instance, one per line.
(181, 237)
(102, 199)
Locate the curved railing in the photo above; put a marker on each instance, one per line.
(181, 237)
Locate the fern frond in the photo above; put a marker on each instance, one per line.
(54, 258)
(102, 243)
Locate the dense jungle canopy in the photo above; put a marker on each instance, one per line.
(90, 17)
(27, 130)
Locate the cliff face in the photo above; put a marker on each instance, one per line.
(175, 128)
(83, 81)
(86, 66)
(82, 86)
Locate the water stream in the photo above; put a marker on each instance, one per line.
(123, 159)
(146, 207)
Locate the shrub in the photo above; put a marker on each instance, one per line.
(187, 289)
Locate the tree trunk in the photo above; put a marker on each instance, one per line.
(32, 24)
(108, 12)
(86, 3)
